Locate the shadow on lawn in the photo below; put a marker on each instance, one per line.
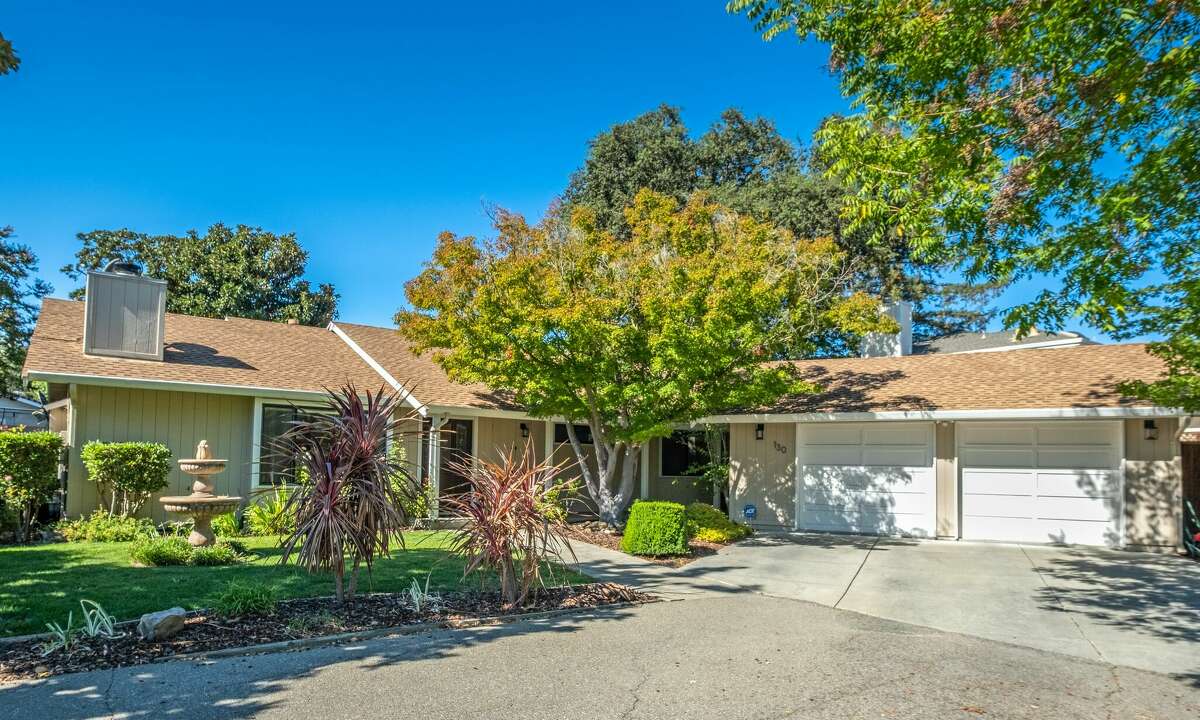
(248, 686)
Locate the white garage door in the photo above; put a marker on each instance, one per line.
(866, 477)
(1047, 482)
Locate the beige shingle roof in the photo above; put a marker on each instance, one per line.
(258, 354)
(1083, 376)
(419, 374)
(237, 352)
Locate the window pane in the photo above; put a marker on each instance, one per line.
(274, 469)
(583, 433)
(684, 453)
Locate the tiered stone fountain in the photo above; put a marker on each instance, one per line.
(202, 505)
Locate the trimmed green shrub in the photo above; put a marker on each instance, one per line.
(161, 551)
(218, 554)
(271, 516)
(102, 527)
(656, 528)
(239, 598)
(126, 473)
(28, 473)
(706, 523)
(226, 525)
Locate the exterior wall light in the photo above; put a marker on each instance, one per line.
(758, 431)
(524, 430)
(1150, 429)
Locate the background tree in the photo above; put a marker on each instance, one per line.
(236, 272)
(633, 335)
(747, 166)
(1029, 139)
(19, 293)
(9, 62)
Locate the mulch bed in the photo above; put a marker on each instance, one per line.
(291, 620)
(612, 540)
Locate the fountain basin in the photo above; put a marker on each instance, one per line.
(202, 505)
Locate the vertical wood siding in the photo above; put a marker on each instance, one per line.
(1153, 485)
(763, 476)
(178, 420)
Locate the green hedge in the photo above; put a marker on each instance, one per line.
(705, 522)
(127, 473)
(28, 472)
(656, 528)
(102, 527)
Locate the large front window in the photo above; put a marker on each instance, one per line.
(686, 453)
(274, 468)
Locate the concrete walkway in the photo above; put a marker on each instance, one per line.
(1132, 609)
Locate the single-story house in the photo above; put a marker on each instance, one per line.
(1027, 444)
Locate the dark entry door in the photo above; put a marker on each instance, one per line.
(457, 439)
(1191, 473)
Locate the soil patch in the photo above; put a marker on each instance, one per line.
(612, 541)
(291, 620)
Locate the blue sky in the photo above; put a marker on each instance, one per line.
(366, 128)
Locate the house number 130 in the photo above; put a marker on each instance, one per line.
(781, 448)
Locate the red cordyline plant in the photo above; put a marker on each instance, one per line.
(506, 527)
(347, 502)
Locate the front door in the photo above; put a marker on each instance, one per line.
(457, 440)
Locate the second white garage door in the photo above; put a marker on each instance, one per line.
(1041, 482)
(866, 478)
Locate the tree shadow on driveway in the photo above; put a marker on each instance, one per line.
(1157, 596)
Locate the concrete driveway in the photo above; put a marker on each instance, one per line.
(1134, 609)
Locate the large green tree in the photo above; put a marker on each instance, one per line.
(746, 165)
(631, 335)
(236, 272)
(19, 292)
(1029, 139)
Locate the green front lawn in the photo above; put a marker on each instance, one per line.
(42, 583)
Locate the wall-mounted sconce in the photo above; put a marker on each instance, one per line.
(1150, 429)
(524, 430)
(758, 431)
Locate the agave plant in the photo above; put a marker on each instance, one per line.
(505, 527)
(347, 503)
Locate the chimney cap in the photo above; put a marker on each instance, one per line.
(123, 267)
(292, 321)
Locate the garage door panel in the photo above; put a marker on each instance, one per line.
(999, 482)
(882, 483)
(831, 455)
(998, 457)
(832, 434)
(1074, 508)
(993, 434)
(1062, 485)
(862, 478)
(1082, 483)
(891, 455)
(915, 435)
(1072, 433)
(1075, 457)
(1002, 506)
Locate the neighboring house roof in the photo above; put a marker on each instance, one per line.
(419, 374)
(996, 341)
(1085, 376)
(237, 353)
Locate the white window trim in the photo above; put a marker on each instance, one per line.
(256, 439)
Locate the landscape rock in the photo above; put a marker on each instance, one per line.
(162, 624)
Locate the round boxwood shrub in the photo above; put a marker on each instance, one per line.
(656, 528)
(28, 473)
(127, 473)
